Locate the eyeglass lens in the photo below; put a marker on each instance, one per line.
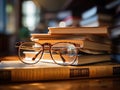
(30, 52)
(64, 53)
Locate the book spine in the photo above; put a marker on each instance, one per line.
(61, 73)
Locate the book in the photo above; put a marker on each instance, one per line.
(16, 71)
(81, 59)
(78, 30)
(84, 44)
(96, 38)
(54, 36)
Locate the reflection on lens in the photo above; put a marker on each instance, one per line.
(64, 53)
(30, 52)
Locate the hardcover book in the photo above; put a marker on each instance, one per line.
(96, 38)
(16, 71)
(84, 44)
(65, 36)
(78, 30)
(81, 60)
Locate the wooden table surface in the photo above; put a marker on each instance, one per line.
(81, 84)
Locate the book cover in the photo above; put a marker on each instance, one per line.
(16, 71)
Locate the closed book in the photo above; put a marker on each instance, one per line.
(96, 38)
(81, 60)
(16, 71)
(57, 36)
(78, 30)
(83, 43)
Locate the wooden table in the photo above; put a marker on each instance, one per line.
(81, 84)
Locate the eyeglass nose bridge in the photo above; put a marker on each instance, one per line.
(46, 46)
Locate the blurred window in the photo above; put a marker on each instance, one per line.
(30, 15)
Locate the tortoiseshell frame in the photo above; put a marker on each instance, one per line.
(44, 48)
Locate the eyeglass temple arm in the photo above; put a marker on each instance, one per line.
(61, 57)
(17, 44)
(36, 55)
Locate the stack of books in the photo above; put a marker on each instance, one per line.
(94, 42)
(94, 63)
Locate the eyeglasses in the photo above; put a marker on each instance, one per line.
(63, 53)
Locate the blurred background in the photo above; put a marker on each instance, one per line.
(20, 18)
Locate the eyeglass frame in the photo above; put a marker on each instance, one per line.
(43, 49)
